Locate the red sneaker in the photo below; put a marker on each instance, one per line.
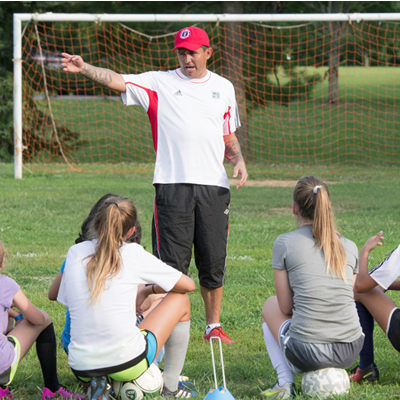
(370, 373)
(218, 332)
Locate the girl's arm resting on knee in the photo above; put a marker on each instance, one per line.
(28, 310)
(184, 285)
(283, 291)
(13, 313)
(364, 283)
(55, 286)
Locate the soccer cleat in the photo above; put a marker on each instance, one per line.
(279, 392)
(5, 393)
(369, 374)
(61, 393)
(189, 386)
(100, 388)
(218, 332)
(183, 392)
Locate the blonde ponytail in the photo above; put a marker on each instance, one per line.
(312, 198)
(111, 225)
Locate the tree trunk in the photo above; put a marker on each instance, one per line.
(334, 60)
(231, 60)
(366, 58)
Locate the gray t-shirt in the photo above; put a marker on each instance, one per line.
(324, 310)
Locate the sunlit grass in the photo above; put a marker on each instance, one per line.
(42, 214)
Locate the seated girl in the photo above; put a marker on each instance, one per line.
(33, 326)
(86, 233)
(373, 303)
(99, 285)
(312, 321)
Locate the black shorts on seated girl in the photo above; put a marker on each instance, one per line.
(128, 371)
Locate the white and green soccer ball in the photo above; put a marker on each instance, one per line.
(149, 382)
(326, 382)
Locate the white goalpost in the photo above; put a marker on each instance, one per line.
(20, 19)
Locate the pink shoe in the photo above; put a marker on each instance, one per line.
(5, 393)
(63, 392)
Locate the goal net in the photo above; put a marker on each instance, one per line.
(314, 93)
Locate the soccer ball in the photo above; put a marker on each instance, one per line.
(325, 382)
(151, 380)
(129, 391)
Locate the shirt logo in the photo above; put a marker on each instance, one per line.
(185, 34)
(215, 95)
(178, 93)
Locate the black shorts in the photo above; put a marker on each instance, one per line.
(187, 215)
(393, 330)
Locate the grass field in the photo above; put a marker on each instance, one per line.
(362, 130)
(41, 216)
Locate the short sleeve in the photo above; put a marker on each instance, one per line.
(387, 271)
(157, 271)
(279, 254)
(8, 289)
(63, 266)
(139, 89)
(62, 293)
(231, 117)
(352, 254)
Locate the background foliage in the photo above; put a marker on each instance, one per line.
(275, 55)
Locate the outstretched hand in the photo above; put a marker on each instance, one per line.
(373, 241)
(71, 63)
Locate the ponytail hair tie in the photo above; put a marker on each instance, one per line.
(115, 204)
(315, 190)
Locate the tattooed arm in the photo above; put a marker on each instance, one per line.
(234, 155)
(101, 76)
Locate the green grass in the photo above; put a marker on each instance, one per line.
(41, 217)
(362, 130)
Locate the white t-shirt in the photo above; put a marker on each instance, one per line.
(386, 272)
(106, 335)
(189, 118)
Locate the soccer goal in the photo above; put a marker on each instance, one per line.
(312, 89)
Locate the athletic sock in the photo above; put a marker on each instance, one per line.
(367, 324)
(210, 327)
(175, 353)
(279, 363)
(47, 354)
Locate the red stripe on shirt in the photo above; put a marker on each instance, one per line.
(227, 122)
(152, 112)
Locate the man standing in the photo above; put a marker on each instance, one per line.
(193, 116)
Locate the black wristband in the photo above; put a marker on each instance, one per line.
(152, 286)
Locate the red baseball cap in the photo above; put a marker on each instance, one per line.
(191, 38)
